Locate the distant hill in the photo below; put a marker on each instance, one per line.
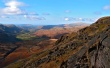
(51, 26)
(64, 25)
(10, 29)
(28, 27)
(55, 31)
(8, 32)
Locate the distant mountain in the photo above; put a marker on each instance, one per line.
(88, 48)
(26, 26)
(10, 29)
(51, 26)
(64, 25)
(29, 27)
(8, 32)
(55, 31)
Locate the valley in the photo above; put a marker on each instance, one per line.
(22, 43)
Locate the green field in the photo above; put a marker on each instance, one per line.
(26, 36)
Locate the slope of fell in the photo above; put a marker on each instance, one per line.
(88, 48)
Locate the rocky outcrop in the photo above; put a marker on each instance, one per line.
(96, 52)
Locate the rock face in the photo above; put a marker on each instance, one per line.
(88, 48)
(96, 52)
(95, 55)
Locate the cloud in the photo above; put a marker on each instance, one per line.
(25, 16)
(46, 14)
(67, 11)
(4, 17)
(33, 17)
(107, 7)
(79, 19)
(16, 8)
(33, 13)
(73, 19)
(67, 19)
(13, 7)
(90, 19)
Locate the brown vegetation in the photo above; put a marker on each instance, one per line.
(57, 31)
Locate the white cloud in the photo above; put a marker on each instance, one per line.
(79, 19)
(36, 18)
(67, 11)
(4, 17)
(25, 16)
(33, 13)
(33, 17)
(46, 14)
(13, 7)
(90, 19)
(72, 19)
(66, 19)
(107, 7)
(14, 3)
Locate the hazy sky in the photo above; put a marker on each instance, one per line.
(52, 11)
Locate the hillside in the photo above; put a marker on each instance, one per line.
(56, 31)
(20, 41)
(88, 48)
(8, 40)
(10, 29)
(8, 33)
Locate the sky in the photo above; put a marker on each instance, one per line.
(49, 12)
